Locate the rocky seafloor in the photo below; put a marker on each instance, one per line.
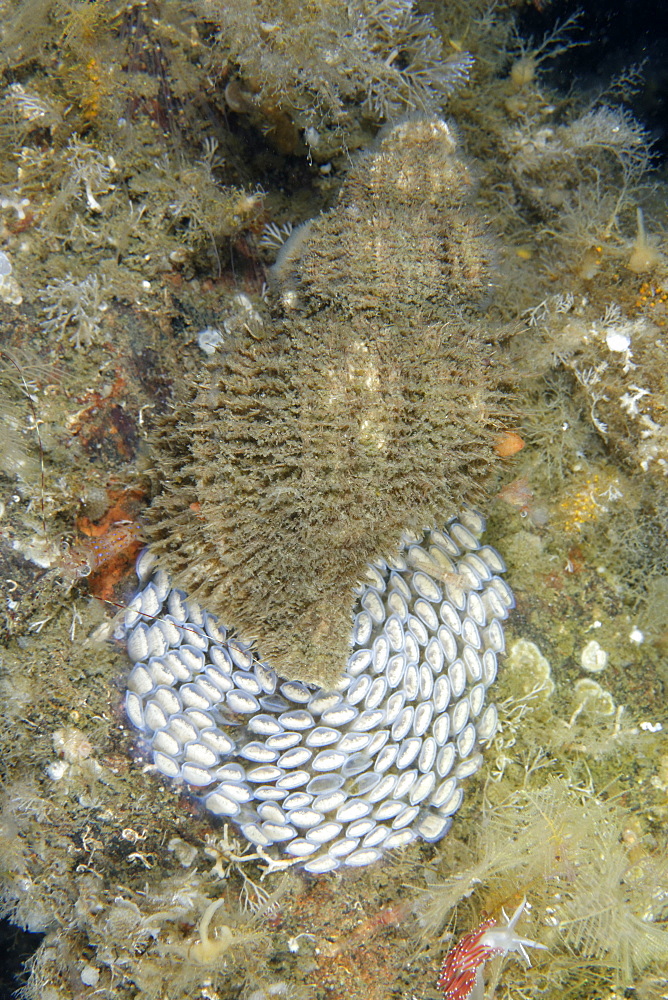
(131, 885)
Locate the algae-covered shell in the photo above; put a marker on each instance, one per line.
(334, 404)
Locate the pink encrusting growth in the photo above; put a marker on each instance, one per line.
(461, 972)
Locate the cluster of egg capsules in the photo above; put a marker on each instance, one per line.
(331, 777)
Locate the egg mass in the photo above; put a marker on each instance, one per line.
(331, 777)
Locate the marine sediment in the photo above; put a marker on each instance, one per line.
(367, 406)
